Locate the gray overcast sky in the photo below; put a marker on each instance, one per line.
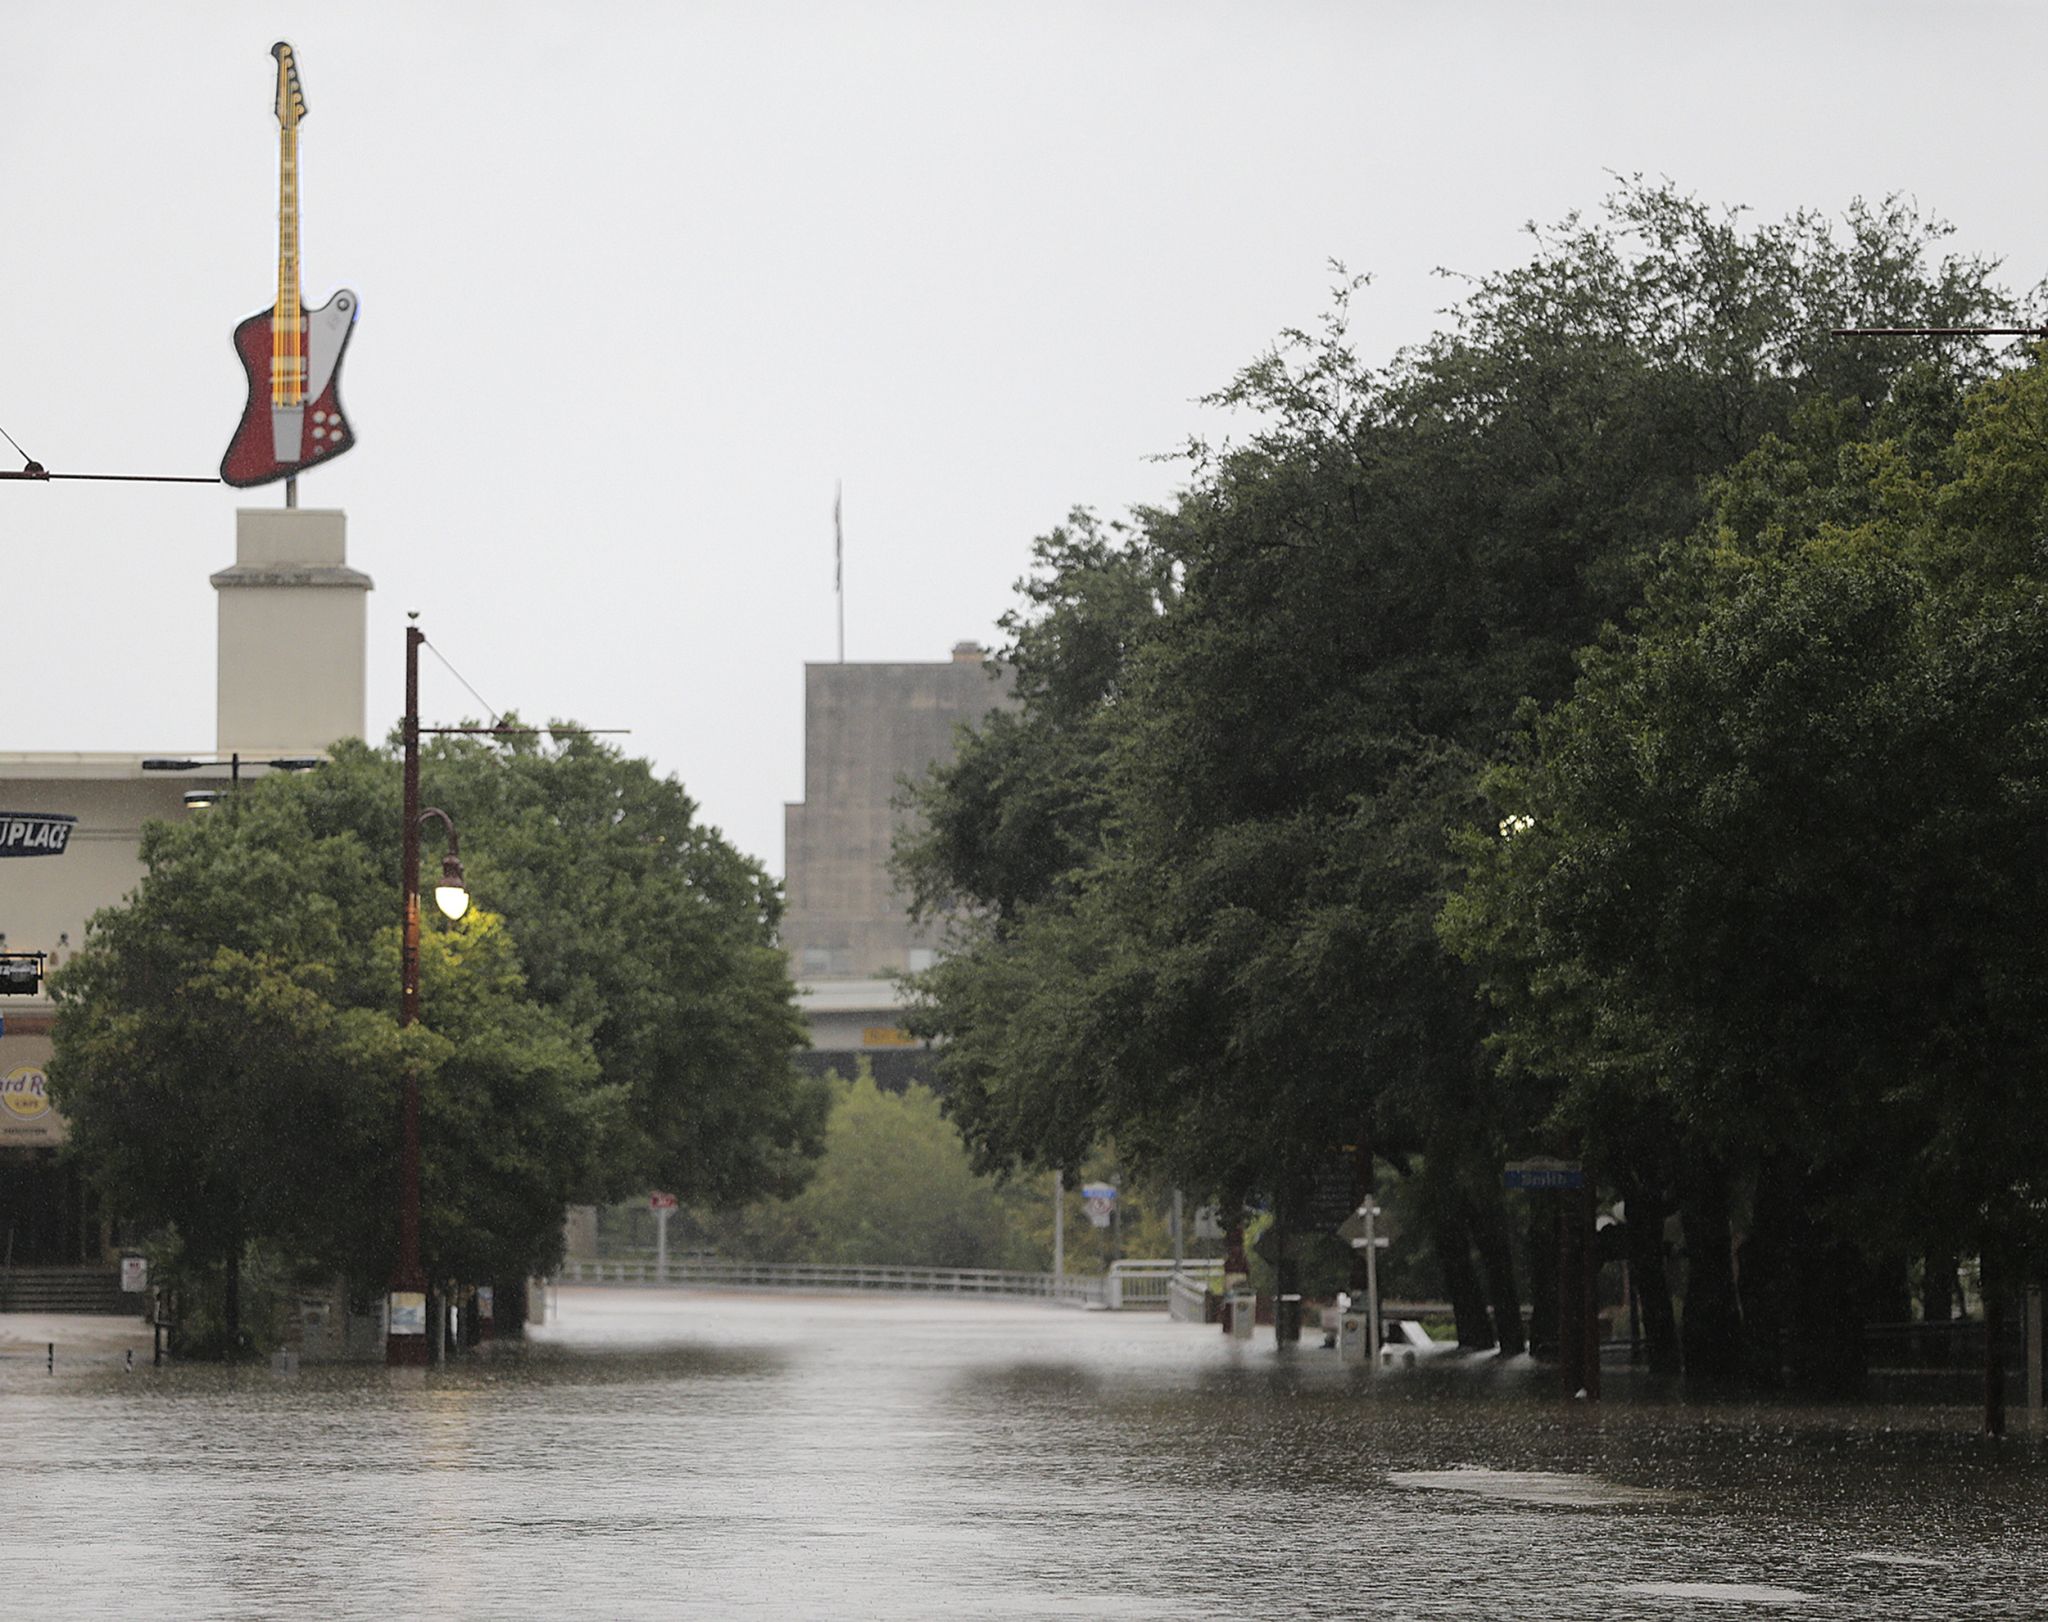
(639, 282)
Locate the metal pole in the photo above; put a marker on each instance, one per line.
(2034, 1415)
(1372, 1287)
(1589, 1284)
(409, 1277)
(1059, 1225)
(1179, 1245)
(661, 1244)
(1571, 1342)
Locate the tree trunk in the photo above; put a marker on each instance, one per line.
(1711, 1334)
(1830, 1282)
(508, 1309)
(1543, 1243)
(1572, 1261)
(1765, 1265)
(1497, 1258)
(1643, 1241)
(231, 1305)
(1993, 1287)
(1453, 1246)
(1803, 1290)
(1286, 1283)
(1938, 1302)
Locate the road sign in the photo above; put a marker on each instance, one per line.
(661, 1202)
(1543, 1173)
(1352, 1229)
(1099, 1201)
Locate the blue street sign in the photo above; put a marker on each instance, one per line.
(1543, 1174)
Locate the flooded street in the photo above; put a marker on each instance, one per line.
(653, 1454)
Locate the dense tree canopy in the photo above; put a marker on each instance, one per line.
(1200, 869)
(613, 1015)
(1773, 886)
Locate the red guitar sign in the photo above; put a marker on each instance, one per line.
(292, 354)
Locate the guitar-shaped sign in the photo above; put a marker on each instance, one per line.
(292, 354)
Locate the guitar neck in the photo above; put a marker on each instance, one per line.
(287, 327)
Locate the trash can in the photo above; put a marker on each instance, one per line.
(1243, 1309)
(1353, 1339)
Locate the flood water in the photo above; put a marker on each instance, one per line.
(665, 1453)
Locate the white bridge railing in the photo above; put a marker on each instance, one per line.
(1153, 1284)
(1077, 1289)
(1128, 1286)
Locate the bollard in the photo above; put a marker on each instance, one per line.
(53, 1357)
(128, 1367)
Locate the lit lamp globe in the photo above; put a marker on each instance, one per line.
(450, 895)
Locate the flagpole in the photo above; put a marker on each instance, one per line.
(839, 568)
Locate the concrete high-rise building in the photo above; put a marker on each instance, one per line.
(867, 729)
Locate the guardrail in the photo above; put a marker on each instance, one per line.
(1077, 1290)
(1187, 1296)
(1150, 1284)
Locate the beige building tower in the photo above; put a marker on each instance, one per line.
(867, 727)
(293, 627)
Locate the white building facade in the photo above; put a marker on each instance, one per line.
(291, 645)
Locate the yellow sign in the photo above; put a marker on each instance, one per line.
(25, 1092)
(885, 1036)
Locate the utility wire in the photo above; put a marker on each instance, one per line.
(458, 675)
(36, 470)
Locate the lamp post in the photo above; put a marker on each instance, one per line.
(200, 798)
(405, 1340)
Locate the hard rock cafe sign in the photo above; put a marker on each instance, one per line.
(24, 1094)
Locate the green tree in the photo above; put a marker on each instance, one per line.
(1200, 870)
(1776, 890)
(228, 1072)
(648, 931)
(893, 1187)
(227, 1048)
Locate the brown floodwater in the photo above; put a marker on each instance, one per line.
(656, 1453)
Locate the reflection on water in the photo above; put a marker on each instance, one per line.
(1533, 1487)
(827, 1457)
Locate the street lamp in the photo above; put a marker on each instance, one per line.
(405, 1340)
(451, 895)
(234, 763)
(199, 799)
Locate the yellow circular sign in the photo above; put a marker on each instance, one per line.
(25, 1092)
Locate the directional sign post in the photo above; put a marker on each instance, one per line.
(661, 1205)
(1372, 1244)
(1578, 1267)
